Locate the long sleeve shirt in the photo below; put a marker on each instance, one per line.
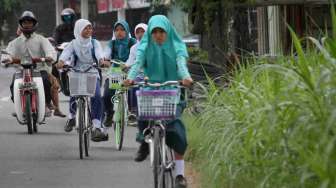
(69, 52)
(160, 72)
(36, 46)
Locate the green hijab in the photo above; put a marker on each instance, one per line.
(122, 45)
(161, 60)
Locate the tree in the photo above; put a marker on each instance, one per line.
(6, 9)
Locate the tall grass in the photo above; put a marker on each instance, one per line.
(275, 126)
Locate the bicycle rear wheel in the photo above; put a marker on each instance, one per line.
(28, 113)
(80, 122)
(120, 123)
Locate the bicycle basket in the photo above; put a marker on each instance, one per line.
(116, 78)
(157, 104)
(82, 84)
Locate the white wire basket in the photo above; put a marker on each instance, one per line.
(157, 104)
(82, 84)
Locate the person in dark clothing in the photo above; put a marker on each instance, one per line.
(64, 31)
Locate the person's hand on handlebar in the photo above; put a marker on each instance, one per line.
(125, 67)
(187, 82)
(41, 59)
(59, 65)
(104, 63)
(128, 82)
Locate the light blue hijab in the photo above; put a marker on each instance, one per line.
(160, 61)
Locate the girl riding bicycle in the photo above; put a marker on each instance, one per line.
(118, 48)
(162, 55)
(85, 50)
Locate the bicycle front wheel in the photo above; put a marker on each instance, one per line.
(120, 123)
(80, 122)
(28, 113)
(157, 160)
(167, 179)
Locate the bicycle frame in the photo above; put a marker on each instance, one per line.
(86, 101)
(115, 101)
(149, 131)
(82, 101)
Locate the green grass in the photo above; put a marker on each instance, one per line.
(275, 126)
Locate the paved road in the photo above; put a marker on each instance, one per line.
(50, 158)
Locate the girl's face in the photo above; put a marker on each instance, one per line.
(87, 31)
(159, 35)
(139, 33)
(119, 32)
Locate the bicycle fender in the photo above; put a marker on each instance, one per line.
(17, 99)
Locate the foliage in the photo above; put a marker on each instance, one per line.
(8, 5)
(197, 54)
(274, 126)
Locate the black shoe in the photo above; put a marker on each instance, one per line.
(108, 120)
(98, 136)
(142, 152)
(69, 125)
(180, 182)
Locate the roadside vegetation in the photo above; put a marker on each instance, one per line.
(274, 125)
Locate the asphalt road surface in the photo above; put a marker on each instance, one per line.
(50, 158)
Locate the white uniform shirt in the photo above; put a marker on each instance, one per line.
(132, 56)
(36, 46)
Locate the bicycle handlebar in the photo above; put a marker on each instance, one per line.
(167, 83)
(117, 62)
(69, 67)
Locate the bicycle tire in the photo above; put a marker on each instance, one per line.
(28, 113)
(80, 127)
(157, 156)
(167, 178)
(87, 131)
(86, 143)
(35, 129)
(120, 123)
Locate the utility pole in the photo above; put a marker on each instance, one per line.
(59, 8)
(84, 9)
(121, 14)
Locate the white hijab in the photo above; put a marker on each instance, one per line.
(140, 25)
(82, 46)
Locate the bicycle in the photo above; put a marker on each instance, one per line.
(120, 106)
(157, 107)
(82, 86)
